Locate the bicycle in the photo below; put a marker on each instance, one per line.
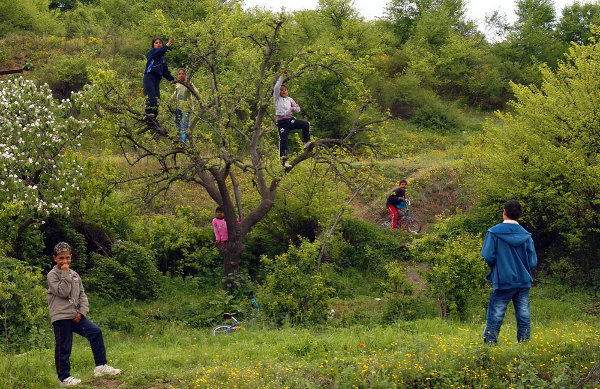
(406, 220)
(236, 325)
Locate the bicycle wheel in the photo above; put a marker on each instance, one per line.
(412, 226)
(220, 330)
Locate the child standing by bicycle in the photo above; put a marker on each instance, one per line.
(396, 202)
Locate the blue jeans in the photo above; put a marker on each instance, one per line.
(63, 336)
(499, 300)
(182, 122)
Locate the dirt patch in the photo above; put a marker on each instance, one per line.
(432, 192)
(105, 383)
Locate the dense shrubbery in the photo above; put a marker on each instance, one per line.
(181, 248)
(293, 291)
(130, 274)
(23, 309)
(365, 246)
(546, 155)
(456, 278)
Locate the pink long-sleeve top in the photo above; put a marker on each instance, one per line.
(220, 227)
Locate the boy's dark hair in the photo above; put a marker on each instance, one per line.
(403, 181)
(513, 209)
(60, 247)
(219, 209)
(154, 40)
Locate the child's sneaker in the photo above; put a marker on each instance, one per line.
(106, 370)
(70, 381)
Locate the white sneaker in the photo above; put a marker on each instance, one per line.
(70, 381)
(106, 370)
(287, 165)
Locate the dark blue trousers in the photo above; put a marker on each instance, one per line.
(284, 126)
(63, 337)
(152, 92)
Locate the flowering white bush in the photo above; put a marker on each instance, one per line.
(39, 135)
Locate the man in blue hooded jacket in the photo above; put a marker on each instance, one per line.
(509, 252)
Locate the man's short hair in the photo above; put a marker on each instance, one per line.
(60, 247)
(513, 209)
(403, 182)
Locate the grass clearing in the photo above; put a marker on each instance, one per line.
(426, 353)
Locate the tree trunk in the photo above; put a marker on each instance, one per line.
(232, 256)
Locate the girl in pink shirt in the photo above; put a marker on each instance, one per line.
(220, 227)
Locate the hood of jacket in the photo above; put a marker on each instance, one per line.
(512, 234)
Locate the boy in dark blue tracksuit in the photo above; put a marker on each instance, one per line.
(156, 69)
(508, 250)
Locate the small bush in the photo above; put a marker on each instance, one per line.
(293, 290)
(131, 273)
(457, 274)
(23, 307)
(439, 116)
(66, 74)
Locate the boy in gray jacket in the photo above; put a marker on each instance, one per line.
(68, 306)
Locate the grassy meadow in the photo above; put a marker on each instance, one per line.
(157, 350)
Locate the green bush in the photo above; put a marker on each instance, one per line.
(439, 116)
(66, 73)
(365, 246)
(23, 308)
(181, 248)
(31, 15)
(293, 291)
(457, 274)
(131, 274)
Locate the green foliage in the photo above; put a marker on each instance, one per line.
(181, 302)
(23, 308)
(545, 154)
(456, 277)
(532, 41)
(576, 23)
(66, 73)
(399, 298)
(180, 247)
(293, 290)
(130, 274)
(396, 282)
(365, 246)
(32, 15)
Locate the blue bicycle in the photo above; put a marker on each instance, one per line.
(236, 325)
(405, 219)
